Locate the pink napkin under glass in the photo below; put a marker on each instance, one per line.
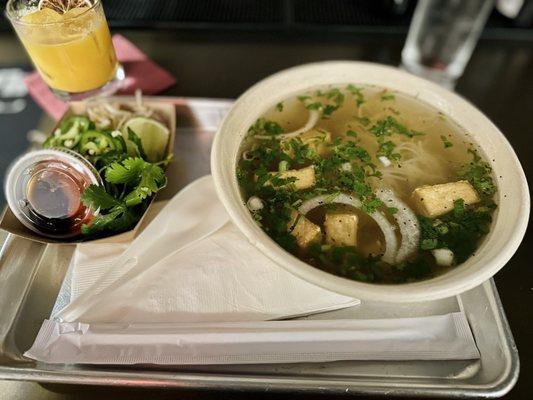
(141, 73)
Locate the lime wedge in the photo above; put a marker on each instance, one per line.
(154, 136)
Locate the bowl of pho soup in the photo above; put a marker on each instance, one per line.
(371, 182)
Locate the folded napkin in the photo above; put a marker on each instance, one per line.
(189, 265)
(141, 73)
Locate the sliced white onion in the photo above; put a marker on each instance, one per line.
(391, 243)
(314, 116)
(254, 203)
(385, 161)
(407, 221)
(246, 155)
(347, 167)
(443, 257)
(335, 198)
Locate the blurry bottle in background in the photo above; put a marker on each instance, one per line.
(442, 37)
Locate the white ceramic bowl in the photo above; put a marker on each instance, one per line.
(511, 217)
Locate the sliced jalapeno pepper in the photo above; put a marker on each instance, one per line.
(82, 123)
(69, 132)
(94, 143)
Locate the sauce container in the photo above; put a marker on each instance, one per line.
(44, 189)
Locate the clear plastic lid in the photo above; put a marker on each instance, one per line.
(44, 188)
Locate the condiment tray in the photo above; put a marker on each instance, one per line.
(31, 274)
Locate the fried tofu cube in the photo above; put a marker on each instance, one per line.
(305, 177)
(341, 229)
(304, 230)
(317, 139)
(435, 200)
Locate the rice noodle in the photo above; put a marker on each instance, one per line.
(416, 166)
(314, 116)
(391, 242)
(407, 221)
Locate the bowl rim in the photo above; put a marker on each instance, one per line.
(471, 273)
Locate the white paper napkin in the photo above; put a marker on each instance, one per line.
(214, 273)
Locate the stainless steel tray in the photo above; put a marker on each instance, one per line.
(31, 275)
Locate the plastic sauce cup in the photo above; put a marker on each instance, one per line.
(44, 190)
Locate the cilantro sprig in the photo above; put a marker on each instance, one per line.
(135, 180)
(479, 174)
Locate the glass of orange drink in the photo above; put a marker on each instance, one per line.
(70, 45)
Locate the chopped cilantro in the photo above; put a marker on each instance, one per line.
(265, 127)
(328, 102)
(386, 149)
(390, 126)
(279, 107)
(315, 106)
(356, 92)
(365, 121)
(351, 133)
(446, 142)
(386, 96)
(394, 111)
(479, 174)
(459, 231)
(459, 207)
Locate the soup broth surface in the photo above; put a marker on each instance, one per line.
(367, 184)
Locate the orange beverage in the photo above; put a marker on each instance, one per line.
(70, 44)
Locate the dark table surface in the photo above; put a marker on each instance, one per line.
(498, 80)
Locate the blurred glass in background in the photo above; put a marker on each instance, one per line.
(442, 36)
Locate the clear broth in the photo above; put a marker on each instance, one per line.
(439, 151)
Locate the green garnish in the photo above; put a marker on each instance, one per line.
(351, 133)
(283, 166)
(446, 142)
(357, 92)
(479, 174)
(279, 107)
(265, 127)
(387, 96)
(459, 231)
(328, 102)
(365, 121)
(135, 180)
(386, 149)
(139, 150)
(390, 126)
